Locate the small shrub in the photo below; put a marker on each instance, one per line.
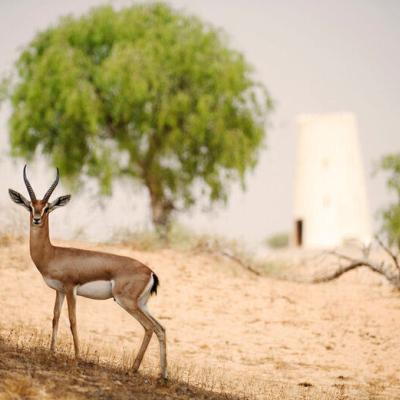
(278, 240)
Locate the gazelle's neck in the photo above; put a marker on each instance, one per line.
(41, 248)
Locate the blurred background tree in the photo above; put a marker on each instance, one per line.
(144, 92)
(391, 215)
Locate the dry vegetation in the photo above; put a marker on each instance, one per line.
(231, 334)
(28, 371)
(184, 240)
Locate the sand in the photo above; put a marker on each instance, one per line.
(342, 335)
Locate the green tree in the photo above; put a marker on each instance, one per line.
(391, 215)
(144, 92)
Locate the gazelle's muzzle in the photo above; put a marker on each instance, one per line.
(36, 220)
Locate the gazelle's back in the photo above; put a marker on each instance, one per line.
(94, 265)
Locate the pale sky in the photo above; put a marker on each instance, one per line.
(314, 56)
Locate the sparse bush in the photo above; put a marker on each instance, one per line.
(179, 237)
(278, 240)
(391, 215)
(7, 238)
(145, 240)
(13, 227)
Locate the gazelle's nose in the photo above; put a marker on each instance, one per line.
(36, 220)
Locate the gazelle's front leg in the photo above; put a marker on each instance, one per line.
(71, 300)
(56, 317)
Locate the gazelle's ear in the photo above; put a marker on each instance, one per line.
(19, 199)
(59, 202)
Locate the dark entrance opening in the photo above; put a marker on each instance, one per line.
(299, 232)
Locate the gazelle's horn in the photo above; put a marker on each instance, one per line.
(52, 187)
(28, 186)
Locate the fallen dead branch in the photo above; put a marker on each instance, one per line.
(239, 261)
(390, 270)
(216, 248)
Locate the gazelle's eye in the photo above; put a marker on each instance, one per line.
(46, 210)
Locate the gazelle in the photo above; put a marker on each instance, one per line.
(93, 274)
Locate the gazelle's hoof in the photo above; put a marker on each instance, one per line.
(163, 376)
(161, 381)
(134, 369)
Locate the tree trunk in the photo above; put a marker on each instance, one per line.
(161, 213)
(161, 209)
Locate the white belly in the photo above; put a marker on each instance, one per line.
(98, 290)
(54, 284)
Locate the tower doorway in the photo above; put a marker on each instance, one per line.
(299, 232)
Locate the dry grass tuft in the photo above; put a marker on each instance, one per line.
(21, 387)
(7, 238)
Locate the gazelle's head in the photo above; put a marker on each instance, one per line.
(39, 209)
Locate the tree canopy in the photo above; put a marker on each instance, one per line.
(145, 92)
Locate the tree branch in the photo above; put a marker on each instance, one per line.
(225, 253)
(240, 262)
(354, 263)
(339, 272)
(388, 251)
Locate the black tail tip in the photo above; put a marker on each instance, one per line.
(156, 282)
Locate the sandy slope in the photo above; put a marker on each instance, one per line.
(341, 335)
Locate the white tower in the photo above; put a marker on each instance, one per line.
(330, 197)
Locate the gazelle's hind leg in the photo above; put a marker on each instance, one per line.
(148, 333)
(133, 298)
(158, 329)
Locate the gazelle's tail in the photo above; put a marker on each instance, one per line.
(156, 282)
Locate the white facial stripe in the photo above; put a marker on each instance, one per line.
(36, 215)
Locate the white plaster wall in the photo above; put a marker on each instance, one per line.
(330, 194)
